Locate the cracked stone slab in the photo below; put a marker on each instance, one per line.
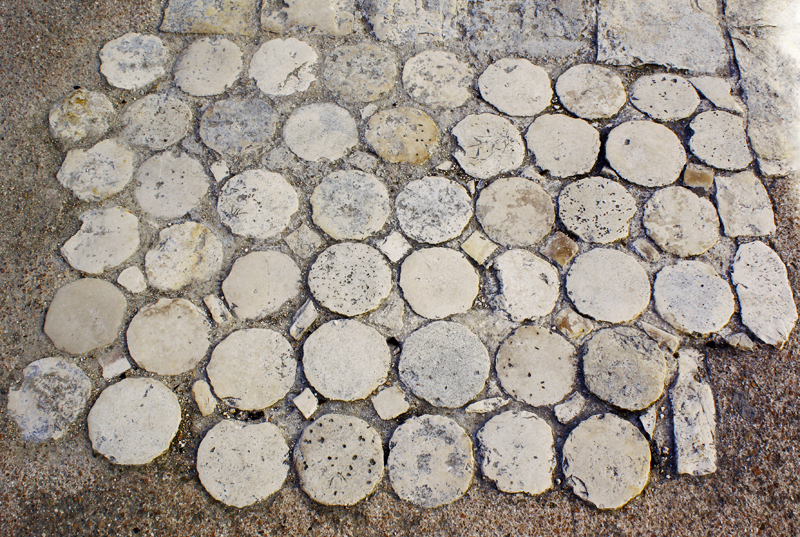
(257, 203)
(591, 91)
(402, 135)
(209, 66)
(719, 140)
(361, 73)
(664, 96)
(187, 253)
(106, 239)
(410, 22)
(320, 131)
(326, 17)
(156, 121)
(529, 285)
(238, 126)
(488, 145)
(236, 17)
(645, 153)
(80, 116)
(133, 61)
(596, 209)
(284, 67)
(99, 172)
(563, 146)
(693, 418)
(433, 209)
(516, 87)
(350, 205)
(744, 206)
(260, 283)
(438, 79)
(438, 282)
(681, 222)
(169, 187)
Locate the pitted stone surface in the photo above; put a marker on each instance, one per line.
(514, 211)
(437, 79)
(361, 73)
(99, 172)
(488, 145)
(260, 283)
(169, 187)
(169, 337)
(444, 363)
(744, 206)
(403, 22)
(350, 278)
(430, 461)
(208, 66)
(339, 459)
(536, 366)
(438, 282)
(237, 17)
(257, 203)
(681, 222)
(133, 61)
(692, 297)
(82, 115)
(156, 121)
(664, 96)
(242, 463)
(320, 131)
(327, 17)
(186, 253)
(529, 285)
(350, 205)
(238, 126)
(283, 67)
(563, 146)
(433, 209)
(516, 87)
(591, 91)
(596, 209)
(402, 135)
(106, 239)
(720, 140)
(645, 153)
(346, 360)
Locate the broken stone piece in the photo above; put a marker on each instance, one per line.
(132, 279)
(646, 153)
(99, 172)
(106, 239)
(394, 246)
(170, 187)
(437, 79)
(320, 131)
(133, 61)
(694, 418)
(591, 91)
(81, 115)
(208, 67)
(671, 342)
(664, 96)
(478, 247)
(438, 282)
(218, 310)
(306, 403)
(260, 283)
(220, 170)
(304, 241)
(187, 253)
(570, 409)
(648, 420)
(514, 211)
(302, 320)
(740, 341)
(744, 206)
(402, 135)
(485, 406)
(718, 91)
(237, 17)
(283, 67)
(719, 140)
(488, 145)
(327, 17)
(563, 146)
(433, 209)
(572, 324)
(698, 176)
(257, 203)
(390, 403)
(529, 285)
(516, 87)
(114, 364)
(203, 398)
(560, 249)
(360, 73)
(646, 250)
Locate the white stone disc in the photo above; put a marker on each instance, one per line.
(186, 253)
(646, 153)
(514, 211)
(438, 282)
(720, 140)
(664, 96)
(238, 126)
(350, 205)
(437, 79)
(596, 209)
(106, 239)
(209, 66)
(257, 203)
(563, 146)
(320, 131)
(283, 67)
(591, 91)
(433, 209)
(97, 173)
(170, 187)
(516, 87)
(681, 222)
(133, 60)
(156, 121)
(529, 285)
(260, 283)
(488, 145)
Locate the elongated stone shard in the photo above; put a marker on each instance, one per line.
(694, 418)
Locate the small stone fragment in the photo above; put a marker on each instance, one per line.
(97, 173)
(186, 253)
(350, 205)
(488, 145)
(320, 131)
(478, 247)
(485, 406)
(306, 403)
(698, 176)
(203, 398)
(114, 364)
(516, 87)
(339, 459)
(646, 250)
(237, 17)
(208, 67)
(740, 341)
(106, 239)
(81, 115)
(445, 166)
(648, 420)
(368, 111)
(220, 170)
(402, 135)
(694, 418)
(646, 153)
(719, 140)
(437, 79)
(238, 126)
(409, 22)
(560, 249)
(718, 91)
(360, 73)
(529, 285)
(302, 320)
(260, 283)
(257, 203)
(681, 222)
(216, 307)
(438, 282)
(591, 91)
(133, 61)
(134, 421)
(390, 403)
(563, 146)
(596, 209)
(664, 96)
(744, 206)
(283, 67)
(170, 187)
(327, 17)
(514, 211)
(669, 341)
(433, 209)
(132, 279)
(391, 315)
(304, 241)
(570, 409)
(572, 324)
(394, 246)
(156, 121)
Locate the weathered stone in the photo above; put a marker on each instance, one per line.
(82, 115)
(238, 126)
(698, 176)
(257, 203)
(664, 96)
(516, 87)
(304, 241)
(438, 79)
(718, 91)
(671, 342)
(529, 285)
(283, 67)
(438, 282)
(560, 249)
(402, 135)
(208, 66)
(390, 403)
(645, 153)
(596, 209)
(409, 22)
(106, 239)
(648, 420)
(570, 408)
(563, 146)
(133, 61)
(97, 173)
(484, 406)
(156, 121)
(394, 246)
(186, 253)
(132, 279)
(260, 283)
(488, 145)
(350, 205)
(306, 403)
(391, 314)
(360, 73)
(591, 91)
(220, 170)
(740, 341)
(719, 140)
(169, 187)
(114, 364)
(363, 161)
(303, 319)
(744, 206)
(681, 222)
(515, 212)
(204, 398)
(694, 418)
(320, 131)
(478, 247)
(327, 17)
(218, 310)
(433, 209)
(237, 17)
(572, 324)
(646, 250)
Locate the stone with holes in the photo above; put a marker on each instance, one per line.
(664, 96)
(402, 135)
(596, 209)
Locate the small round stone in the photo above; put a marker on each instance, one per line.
(444, 363)
(346, 360)
(624, 367)
(252, 369)
(106, 239)
(664, 96)
(209, 66)
(360, 73)
(517, 452)
(596, 209)
(257, 203)
(85, 315)
(515, 211)
(350, 278)
(536, 366)
(350, 205)
(608, 285)
(681, 222)
(693, 298)
(433, 209)
(283, 67)
(170, 187)
(339, 459)
(186, 253)
(169, 337)
(438, 282)
(430, 461)
(320, 131)
(606, 461)
(238, 126)
(645, 153)
(134, 421)
(516, 87)
(242, 463)
(563, 146)
(402, 135)
(52, 394)
(720, 140)
(529, 285)
(488, 145)
(133, 61)
(260, 283)
(156, 121)
(437, 79)
(97, 173)
(591, 91)
(81, 115)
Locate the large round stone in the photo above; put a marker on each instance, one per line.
(529, 285)
(350, 205)
(596, 209)
(170, 187)
(238, 126)
(156, 121)
(438, 282)
(720, 140)
(320, 131)
(257, 203)
(516, 87)
(99, 172)
(488, 145)
(681, 222)
(563, 146)
(664, 96)
(106, 239)
(591, 91)
(515, 212)
(283, 67)
(187, 253)
(360, 73)
(433, 209)
(133, 61)
(645, 153)
(402, 135)
(82, 115)
(260, 283)
(437, 79)
(209, 66)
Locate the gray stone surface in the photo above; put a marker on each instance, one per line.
(694, 418)
(284, 67)
(169, 187)
(257, 203)
(82, 115)
(515, 211)
(438, 282)
(438, 79)
(591, 91)
(409, 22)
(720, 141)
(744, 206)
(208, 66)
(99, 172)
(596, 209)
(320, 131)
(156, 121)
(327, 17)
(361, 73)
(402, 135)
(304, 241)
(529, 285)
(488, 145)
(516, 87)
(350, 205)
(186, 253)
(645, 153)
(664, 96)
(133, 61)
(433, 209)
(681, 222)
(237, 17)
(563, 146)
(107, 238)
(238, 126)
(260, 283)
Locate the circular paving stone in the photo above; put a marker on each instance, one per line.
(134, 421)
(238, 126)
(444, 363)
(339, 459)
(402, 135)
(320, 131)
(252, 369)
(260, 283)
(515, 212)
(692, 297)
(97, 173)
(596, 209)
(430, 461)
(346, 360)
(720, 140)
(81, 115)
(606, 461)
(188, 252)
(516, 87)
(681, 222)
(608, 285)
(438, 282)
(350, 205)
(591, 91)
(283, 67)
(517, 453)
(664, 96)
(624, 367)
(488, 145)
(645, 153)
(433, 209)
(169, 337)
(360, 73)
(156, 121)
(529, 285)
(536, 366)
(437, 79)
(257, 203)
(106, 239)
(52, 394)
(170, 187)
(350, 278)
(240, 464)
(85, 315)
(209, 66)
(133, 61)
(563, 146)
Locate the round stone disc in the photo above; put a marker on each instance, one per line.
(238, 126)
(645, 153)
(188, 252)
(156, 122)
(257, 203)
(681, 222)
(438, 282)
(529, 285)
(99, 172)
(433, 209)
(515, 212)
(133, 60)
(209, 66)
(82, 115)
(320, 131)
(596, 209)
(720, 140)
(488, 145)
(350, 205)
(402, 135)
(562, 145)
(260, 283)
(170, 187)
(664, 96)
(437, 79)
(106, 239)
(516, 87)
(283, 67)
(360, 73)
(591, 91)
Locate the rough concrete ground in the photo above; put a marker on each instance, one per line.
(60, 488)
